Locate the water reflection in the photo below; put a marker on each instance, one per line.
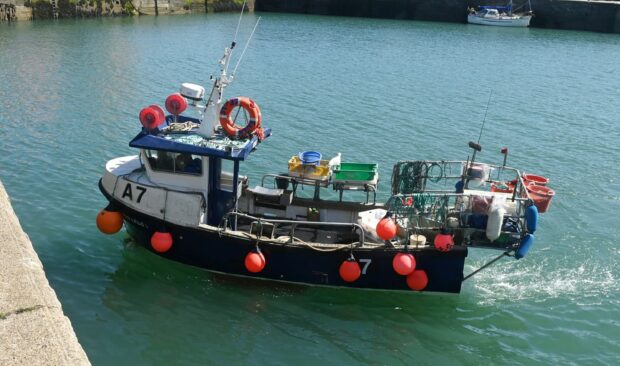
(163, 302)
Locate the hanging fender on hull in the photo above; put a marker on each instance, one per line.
(531, 218)
(302, 265)
(525, 246)
(296, 264)
(225, 253)
(494, 223)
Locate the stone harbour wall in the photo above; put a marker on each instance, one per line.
(598, 16)
(15, 10)
(33, 327)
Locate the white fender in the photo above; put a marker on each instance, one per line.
(496, 218)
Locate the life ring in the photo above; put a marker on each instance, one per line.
(229, 126)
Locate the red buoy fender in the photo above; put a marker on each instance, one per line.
(386, 228)
(350, 270)
(255, 261)
(417, 280)
(161, 241)
(151, 117)
(229, 126)
(403, 264)
(443, 242)
(176, 104)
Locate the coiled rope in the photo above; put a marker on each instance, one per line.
(181, 127)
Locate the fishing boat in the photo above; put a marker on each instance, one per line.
(502, 16)
(183, 197)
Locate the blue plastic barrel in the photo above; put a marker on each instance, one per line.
(310, 157)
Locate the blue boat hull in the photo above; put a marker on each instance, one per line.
(217, 252)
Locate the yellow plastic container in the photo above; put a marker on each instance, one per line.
(297, 169)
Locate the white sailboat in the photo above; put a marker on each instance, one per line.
(502, 16)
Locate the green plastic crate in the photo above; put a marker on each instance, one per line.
(354, 175)
(358, 166)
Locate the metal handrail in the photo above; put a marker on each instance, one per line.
(262, 181)
(295, 223)
(298, 180)
(459, 162)
(447, 194)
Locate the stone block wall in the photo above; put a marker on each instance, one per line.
(598, 16)
(11, 10)
(14, 10)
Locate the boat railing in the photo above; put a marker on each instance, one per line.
(433, 211)
(415, 176)
(294, 224)
(294, 180)
(275, 177)
(283, 181)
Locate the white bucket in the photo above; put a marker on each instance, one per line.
(417, 240)
(478, 175)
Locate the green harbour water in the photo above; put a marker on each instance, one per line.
(374, 90)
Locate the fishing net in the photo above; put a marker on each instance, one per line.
(419, 209)
(411, 176)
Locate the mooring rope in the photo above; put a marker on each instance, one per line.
(505, 254)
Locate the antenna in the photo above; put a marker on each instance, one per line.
(246, 47)
(485, 115)
(477, 148)
(234, 42)
(213, 103)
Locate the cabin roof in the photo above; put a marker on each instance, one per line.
(191, 142)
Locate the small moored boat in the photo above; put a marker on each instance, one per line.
(183, 197)
(502, 16)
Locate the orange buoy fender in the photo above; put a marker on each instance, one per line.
(109, 222)
(229, 126)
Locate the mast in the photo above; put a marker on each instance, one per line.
(213, 104)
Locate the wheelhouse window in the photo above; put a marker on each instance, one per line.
(227, 169)
(177, 163)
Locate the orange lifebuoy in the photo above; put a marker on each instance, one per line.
(229, 126)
